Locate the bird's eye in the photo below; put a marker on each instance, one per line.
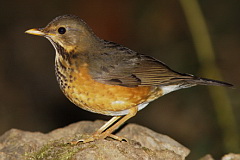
(61, 30)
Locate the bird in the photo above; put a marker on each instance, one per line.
(107, 78)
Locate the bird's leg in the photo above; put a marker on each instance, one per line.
(110, 126)
(107, 125)
(98, 132)
(108, 132)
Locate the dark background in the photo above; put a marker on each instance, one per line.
(30, 98)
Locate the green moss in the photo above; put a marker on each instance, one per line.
(148, 151)
(56, 150)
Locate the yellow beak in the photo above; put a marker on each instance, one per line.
(35, 31)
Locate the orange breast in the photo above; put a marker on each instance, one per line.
(101, 98)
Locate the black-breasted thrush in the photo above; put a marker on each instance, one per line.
(107, 78)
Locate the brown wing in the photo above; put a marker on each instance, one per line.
(117, 65)
(154, 72)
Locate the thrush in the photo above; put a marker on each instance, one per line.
(107, 78)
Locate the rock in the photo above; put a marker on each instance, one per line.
(231, 156)
(207, 157)
(142, 144)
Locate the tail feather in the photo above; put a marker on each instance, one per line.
(205, 81)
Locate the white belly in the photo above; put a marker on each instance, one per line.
(124, 112)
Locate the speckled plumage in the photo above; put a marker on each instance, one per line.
(107, 78)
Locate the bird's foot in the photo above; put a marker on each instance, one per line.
(97, 136)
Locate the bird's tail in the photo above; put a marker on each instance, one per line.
(205, 81)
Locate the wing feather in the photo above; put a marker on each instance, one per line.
(119, 65)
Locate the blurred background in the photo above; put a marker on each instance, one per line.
(204, 119)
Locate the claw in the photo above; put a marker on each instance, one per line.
(98, 137)
(74, 142)
(118, 138)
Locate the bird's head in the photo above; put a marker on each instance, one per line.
(67, 31)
